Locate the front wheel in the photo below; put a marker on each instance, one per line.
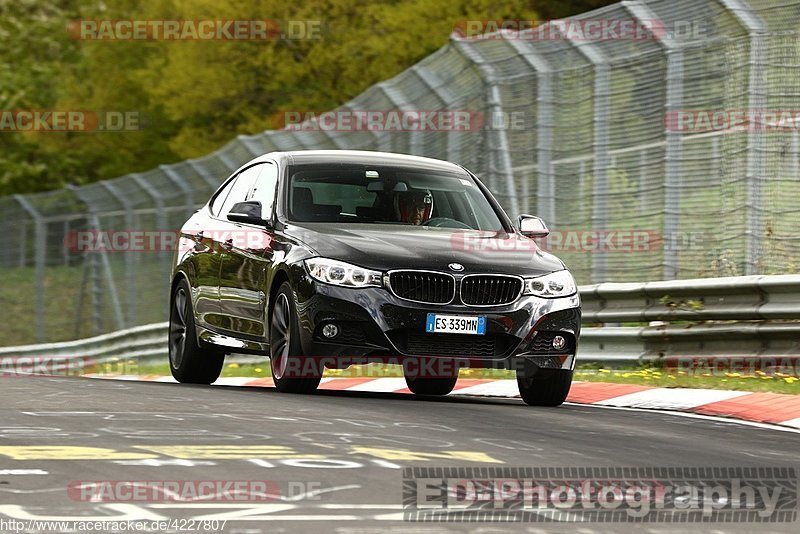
(291, 372)
(188, 362)
(545, 387)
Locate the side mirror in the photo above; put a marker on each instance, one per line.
(532, 226)
(246, 212)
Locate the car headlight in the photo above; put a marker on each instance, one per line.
(550, 286)
(340, 273)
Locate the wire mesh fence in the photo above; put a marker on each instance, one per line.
(587, 133)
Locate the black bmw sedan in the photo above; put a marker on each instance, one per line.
(325, 259)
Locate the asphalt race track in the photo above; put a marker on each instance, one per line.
(333, 460)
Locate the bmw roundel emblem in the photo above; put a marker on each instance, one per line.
(456, 267)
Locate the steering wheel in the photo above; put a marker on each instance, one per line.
(446, 222)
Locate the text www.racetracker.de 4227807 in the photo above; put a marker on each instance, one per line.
(160, 525)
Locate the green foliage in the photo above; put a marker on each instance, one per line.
(33, 45)
(194, 96)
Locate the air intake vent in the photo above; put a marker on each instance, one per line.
(456, 345)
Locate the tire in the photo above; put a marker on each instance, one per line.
(285, 350)
(188, 362)
(430, 385)
(545, 387)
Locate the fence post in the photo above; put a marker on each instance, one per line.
(39, 254)
(436, 86)
(205, 175)
(249, 144)
(161, 220)
(398, 99)
(495, 105)
(188, 192)
(91, 256)
(226, 159)
(754, 225)
(600, 171)
(545, 183)
(131, 292)
(674, 143)
(23, 247)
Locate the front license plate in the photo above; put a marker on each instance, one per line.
(456, 324)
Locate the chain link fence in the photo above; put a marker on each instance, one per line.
(597, 154)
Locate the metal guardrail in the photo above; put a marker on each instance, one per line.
(132, 343)
(707, 299)
(748, 317)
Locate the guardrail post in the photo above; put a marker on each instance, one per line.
(674, 143)
(754, 225)
(500, 153)
(39, 251)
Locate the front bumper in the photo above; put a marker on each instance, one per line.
(372, 321)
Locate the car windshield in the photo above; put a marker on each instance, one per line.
(388, 195)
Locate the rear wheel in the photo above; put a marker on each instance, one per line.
(441, 381)
(289, 373)
(188, 362)
(545, 387)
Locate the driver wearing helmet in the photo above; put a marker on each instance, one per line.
(415, 207)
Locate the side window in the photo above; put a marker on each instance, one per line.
(216, 203)
(264, 189)
(241, 186)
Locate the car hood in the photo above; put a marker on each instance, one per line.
(385, 247)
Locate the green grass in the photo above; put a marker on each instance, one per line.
(775, 383)
(63, 320)
(655, 377)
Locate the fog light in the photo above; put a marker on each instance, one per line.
(330, 331)
(559, 342)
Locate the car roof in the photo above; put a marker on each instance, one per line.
(360, 157)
